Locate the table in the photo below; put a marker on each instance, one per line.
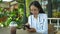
(18, 31)
(25, 32)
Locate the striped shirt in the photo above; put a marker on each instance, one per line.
(40, 24)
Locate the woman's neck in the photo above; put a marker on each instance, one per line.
(36, 16)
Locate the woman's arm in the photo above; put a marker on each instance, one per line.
(29, 24)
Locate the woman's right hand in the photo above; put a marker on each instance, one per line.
(31, 30)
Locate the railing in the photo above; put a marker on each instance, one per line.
(57, 26)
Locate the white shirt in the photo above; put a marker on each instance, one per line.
(40, 24)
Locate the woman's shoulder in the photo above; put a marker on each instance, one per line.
(30, 16)
(43, 14)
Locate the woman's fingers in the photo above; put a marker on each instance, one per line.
(31, 30)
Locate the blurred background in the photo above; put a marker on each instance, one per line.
(18, 11)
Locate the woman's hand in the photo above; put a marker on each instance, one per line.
(31, 30)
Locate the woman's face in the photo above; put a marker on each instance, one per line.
(34, 10)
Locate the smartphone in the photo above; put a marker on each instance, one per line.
(27, 26)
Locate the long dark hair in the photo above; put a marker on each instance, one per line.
(37, 4)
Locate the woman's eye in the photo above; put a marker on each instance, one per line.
(34, 9)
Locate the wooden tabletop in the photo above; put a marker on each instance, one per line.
(18, 31)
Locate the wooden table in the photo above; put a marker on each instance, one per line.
(18, 31)
(25, 32)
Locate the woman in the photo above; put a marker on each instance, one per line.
(38, 19)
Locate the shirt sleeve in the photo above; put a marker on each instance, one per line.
(29, 21)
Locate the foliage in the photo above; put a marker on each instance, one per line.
(16, 15)
(56, 14)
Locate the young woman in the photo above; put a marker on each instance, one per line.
(38, 19)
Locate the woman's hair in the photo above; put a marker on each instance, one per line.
(36, 4)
